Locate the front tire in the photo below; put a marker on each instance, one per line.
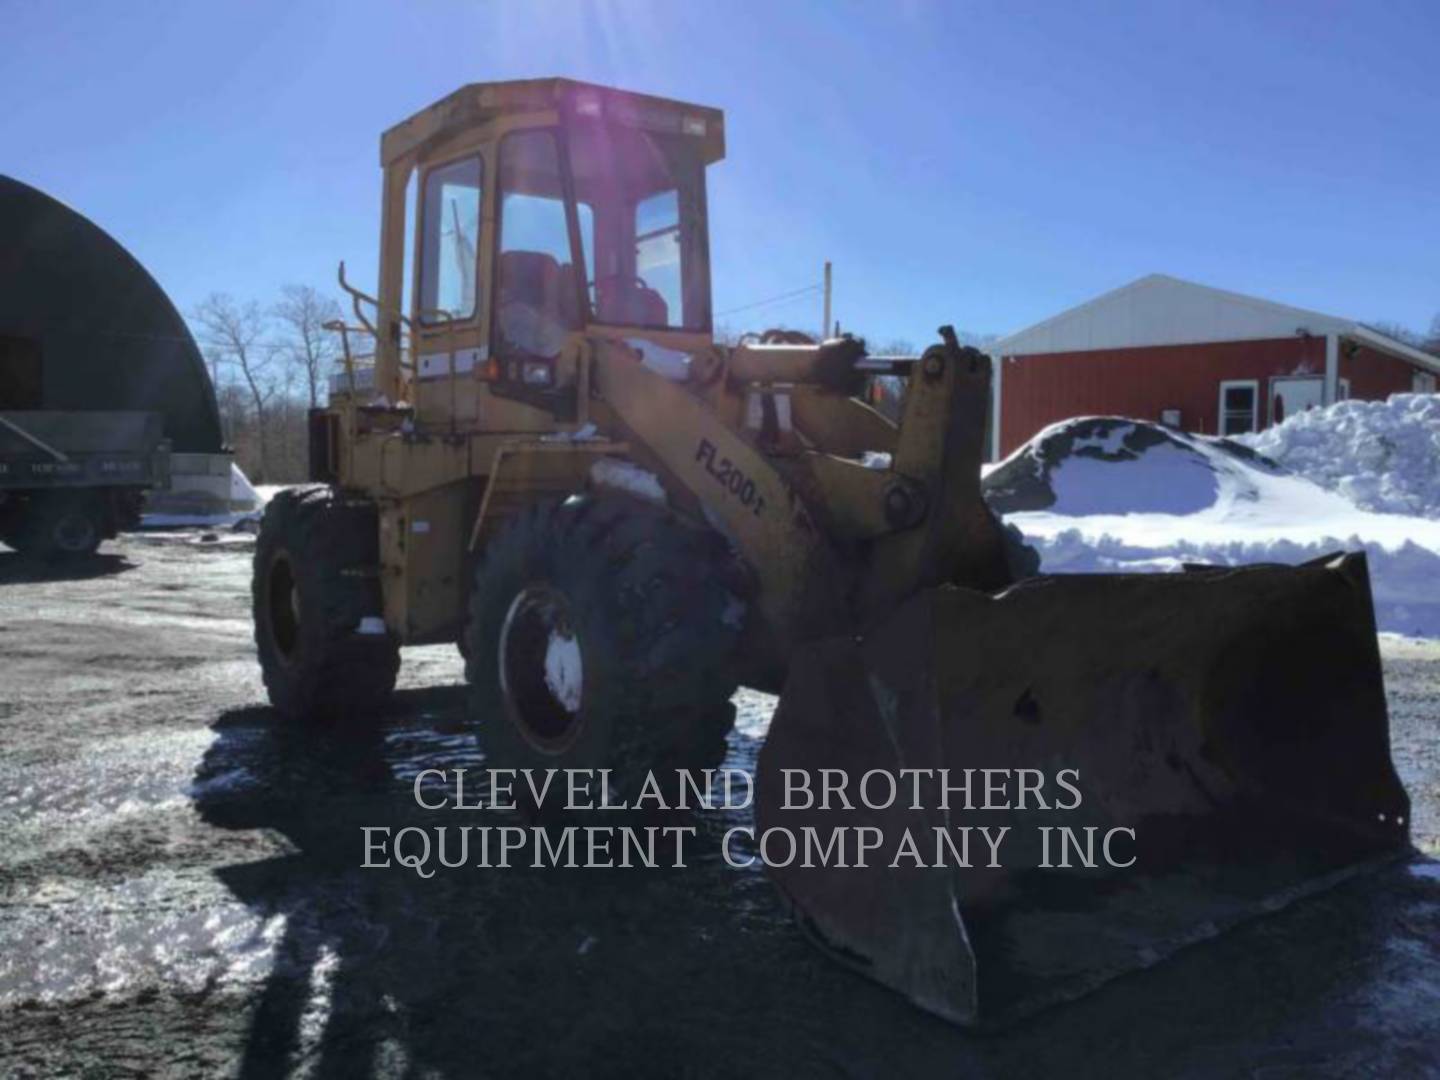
(316, 600)
(601, 635)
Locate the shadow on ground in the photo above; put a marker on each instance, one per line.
(696, 971)
(15, 567)
(380, 971)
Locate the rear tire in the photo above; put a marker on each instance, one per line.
(59, 525)
(315, 580)
(601, 635)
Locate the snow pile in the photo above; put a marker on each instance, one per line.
(247, 504)
(1381, 455)
(242, 492)
(1108, 494)
(1070, 468)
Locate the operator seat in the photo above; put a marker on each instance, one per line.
(534, 311)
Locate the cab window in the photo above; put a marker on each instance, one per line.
(449, 256)
(645, 227)
(657, 251)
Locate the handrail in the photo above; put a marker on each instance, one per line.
(356, 297)
(446, 318)
(359, 296)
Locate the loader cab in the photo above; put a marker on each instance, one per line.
(527, 212)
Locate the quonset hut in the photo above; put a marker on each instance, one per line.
(83, 326)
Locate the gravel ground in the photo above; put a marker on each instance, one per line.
(180, 896)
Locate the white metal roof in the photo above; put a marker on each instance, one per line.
(1161, 310)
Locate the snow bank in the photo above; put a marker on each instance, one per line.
(1381, 455)
(230, 519)
(1108, 494)
(1404, 581)
(1072, 468)
(242, 492)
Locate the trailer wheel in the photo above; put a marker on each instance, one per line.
(315, 593)
(601, 635)
(60, 525)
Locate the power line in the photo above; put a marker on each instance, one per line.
(772, 300)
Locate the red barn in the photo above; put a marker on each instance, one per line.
(1193, 357)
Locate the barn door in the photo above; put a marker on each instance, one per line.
(1292, 395)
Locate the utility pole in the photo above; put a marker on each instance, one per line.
(825, 325)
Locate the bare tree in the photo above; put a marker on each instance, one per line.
(895, 347)
(235, 335)
(307, 345)
(1398, 332)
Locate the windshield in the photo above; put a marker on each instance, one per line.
(537, 295)
(641, 207)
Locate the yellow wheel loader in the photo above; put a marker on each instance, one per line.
(550, 461)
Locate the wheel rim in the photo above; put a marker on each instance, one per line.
(284, 606)
(74, 532)
(542, 668)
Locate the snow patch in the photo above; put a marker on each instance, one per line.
(1108, 441)
(670, 364)
(628, 477)
(1174, 481)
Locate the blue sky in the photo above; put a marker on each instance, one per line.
(981, 164)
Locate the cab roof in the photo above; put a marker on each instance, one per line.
(479, 103)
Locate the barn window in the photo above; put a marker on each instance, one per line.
(1424, 382)
(1239, 406)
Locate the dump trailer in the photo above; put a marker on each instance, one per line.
(619, 520)
(70, 480)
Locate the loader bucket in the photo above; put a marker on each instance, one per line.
(1234, 719)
